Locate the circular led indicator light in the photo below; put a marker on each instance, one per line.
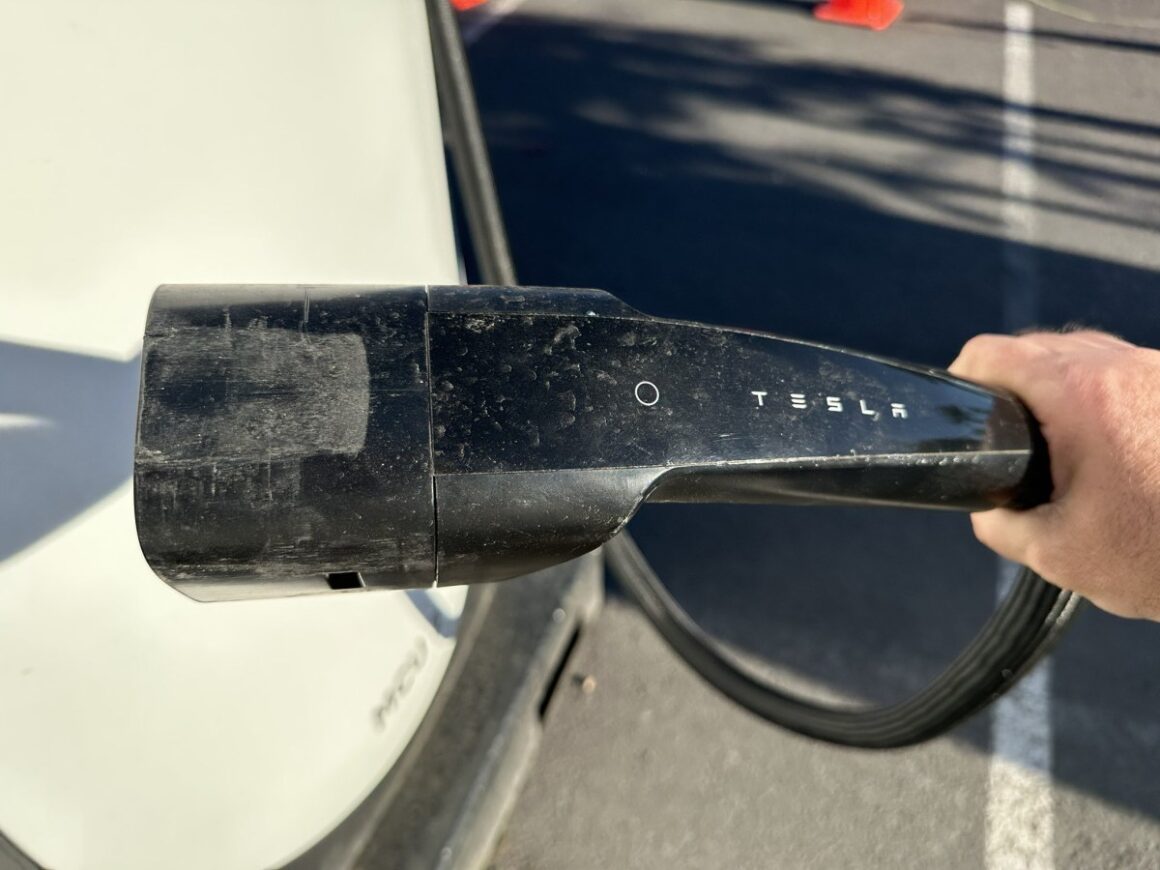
(647, 393)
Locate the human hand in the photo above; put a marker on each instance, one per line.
(1097, 400)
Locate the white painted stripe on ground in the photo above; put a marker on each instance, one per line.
(1020, 807)
(488, 16)
(1017, 171)
(1020, 824)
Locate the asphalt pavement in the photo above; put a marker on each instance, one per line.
(977, 167)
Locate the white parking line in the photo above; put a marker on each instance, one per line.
(1020, 808)
(1020, 282)
(1020, 805)
(487, 17)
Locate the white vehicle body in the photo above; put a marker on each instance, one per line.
(164, 141)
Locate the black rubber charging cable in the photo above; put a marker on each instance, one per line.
(1018, 634)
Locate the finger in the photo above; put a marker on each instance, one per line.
(999, 360)
(1014, 535)
(1097, 337)
(1075, 340)
(979, 353)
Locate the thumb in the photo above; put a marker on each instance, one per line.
(1015, 535)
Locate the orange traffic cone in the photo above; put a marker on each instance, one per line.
(875, 14)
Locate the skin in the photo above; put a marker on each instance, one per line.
(1097, 399)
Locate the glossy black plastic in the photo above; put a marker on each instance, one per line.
(466, 434)
(283, 434)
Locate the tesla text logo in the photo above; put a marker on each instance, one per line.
(834, 405)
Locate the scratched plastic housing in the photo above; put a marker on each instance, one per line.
(415, 435)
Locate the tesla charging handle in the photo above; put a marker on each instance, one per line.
(415, 435)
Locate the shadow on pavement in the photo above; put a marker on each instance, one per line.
(702, 177)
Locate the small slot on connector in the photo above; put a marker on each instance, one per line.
(345, 580)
